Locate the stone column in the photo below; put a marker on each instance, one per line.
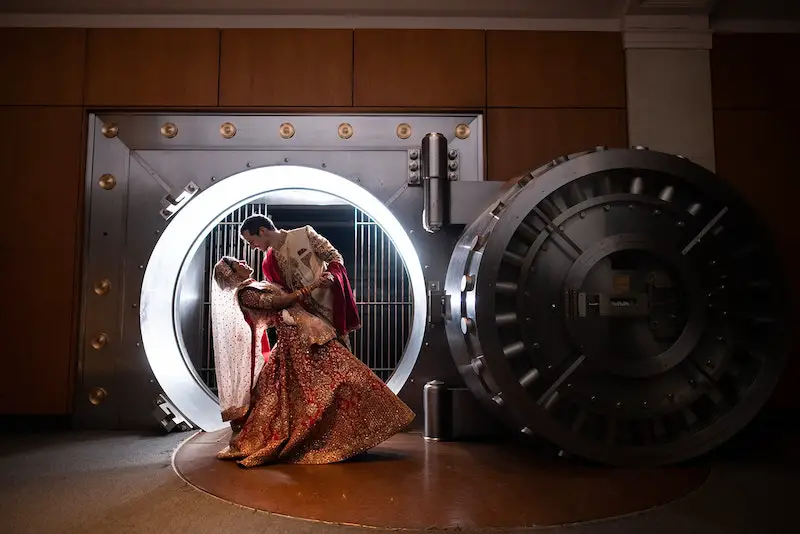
(669, 86)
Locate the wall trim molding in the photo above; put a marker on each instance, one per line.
(756, 26)
(305, 21)
(667, 32)
(631, 23)
(677, 39)
(665, 22)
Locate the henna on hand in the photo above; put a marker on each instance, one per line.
(325, 280)
(305, 292)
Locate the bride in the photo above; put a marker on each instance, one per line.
(312, 401)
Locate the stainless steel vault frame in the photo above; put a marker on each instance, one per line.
(145, 170)
(706, 349)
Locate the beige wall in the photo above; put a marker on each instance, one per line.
(669, 102)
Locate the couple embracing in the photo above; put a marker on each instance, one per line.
(308, 399)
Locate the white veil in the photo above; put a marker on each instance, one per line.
(237, 348)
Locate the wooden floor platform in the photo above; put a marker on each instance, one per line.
(407, 482)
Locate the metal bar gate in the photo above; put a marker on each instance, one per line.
(377, 275)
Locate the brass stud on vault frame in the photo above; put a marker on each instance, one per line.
(102, 287)
(404, 130)
(345, 130)
(462, 131)
(99, 341)
(110, 130)
(169, 130)
(286, 130)
(227, 130)
(107, 182)
(97, 395)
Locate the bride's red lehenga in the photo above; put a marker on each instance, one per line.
(313, 402)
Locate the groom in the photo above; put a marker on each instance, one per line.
(294, 259)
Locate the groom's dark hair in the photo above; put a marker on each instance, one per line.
(256, 222)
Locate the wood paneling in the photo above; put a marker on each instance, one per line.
(755, 152)
(756, 71)
(435, 68)
(286, 67)
(555, 69)
(520, 140)
(42, 66)
(152, 67)
(756, 91)
(41, 158)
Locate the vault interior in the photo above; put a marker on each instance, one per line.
(377, 274)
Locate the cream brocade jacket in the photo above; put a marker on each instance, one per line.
(302, 258)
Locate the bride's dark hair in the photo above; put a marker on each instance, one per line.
(224, 274)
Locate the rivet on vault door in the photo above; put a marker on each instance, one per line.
(227, 130)
(101, 287)
(404, 130)
(345, 131)
(97, 395)
(287, 130)
(99, 341)
(110, 130)
(107, 182)
(169, 130)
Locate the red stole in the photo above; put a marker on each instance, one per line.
(269, 268)
(345, 311)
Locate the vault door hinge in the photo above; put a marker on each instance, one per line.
(171, 205)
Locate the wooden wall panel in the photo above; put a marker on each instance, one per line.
(42, 66)
(756, 92)
(756, 71)
(41, 159)
(755, 152)
(286, 67)
(555, 69)
(152, 67)
(520, 140)
(420, 68)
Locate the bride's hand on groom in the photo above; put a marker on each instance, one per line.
(325, 280)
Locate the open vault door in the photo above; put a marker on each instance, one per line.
(626, 305)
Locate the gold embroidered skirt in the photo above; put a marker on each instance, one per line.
(315, 406)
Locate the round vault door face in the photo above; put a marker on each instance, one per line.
(161, 328)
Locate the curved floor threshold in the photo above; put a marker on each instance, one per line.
(407, 483)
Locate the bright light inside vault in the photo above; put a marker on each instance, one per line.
(159, 322)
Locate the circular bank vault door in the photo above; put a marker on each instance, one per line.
(624, 304)
(174, 300)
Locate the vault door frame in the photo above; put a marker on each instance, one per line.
(138, 161)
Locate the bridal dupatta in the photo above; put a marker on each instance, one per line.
(237, 341)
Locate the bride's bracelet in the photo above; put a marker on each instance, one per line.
(303, 293)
